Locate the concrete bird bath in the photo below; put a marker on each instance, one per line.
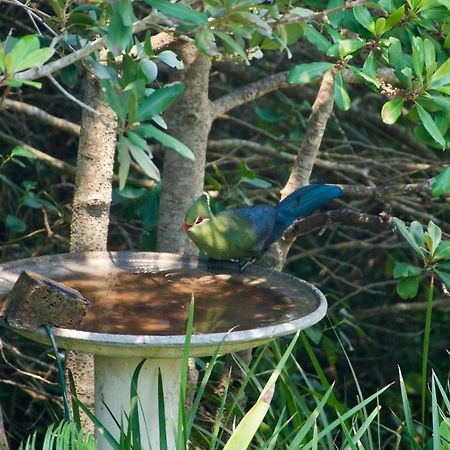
(139, 307)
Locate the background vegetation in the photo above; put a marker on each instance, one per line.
(384, 143)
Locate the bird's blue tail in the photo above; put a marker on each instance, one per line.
(300, 203)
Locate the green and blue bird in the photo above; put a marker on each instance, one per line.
(244, 234)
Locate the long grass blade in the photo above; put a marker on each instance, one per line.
(250, 423)
(219, 415)
(161, 414)
(310, 421)
(366, 424)
(99, 426)
(407, 412)
(133, 418)
(435, 416)
(350, 413)
(348, 436)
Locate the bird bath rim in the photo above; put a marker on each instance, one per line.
(161, 346)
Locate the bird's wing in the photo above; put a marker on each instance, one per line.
(249, 228)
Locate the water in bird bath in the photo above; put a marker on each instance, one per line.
(138, 310)
(157, 303)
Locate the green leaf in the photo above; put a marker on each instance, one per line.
(341, 96)
(370, 65)
(418, 56)
(159, 101)
(269, 115)
(170, 58)
(394, 18)
(249, 424)
(430, 126)
(380, 26)
(119, 34)
(435, 234)
(124, 161)
(391, 110)
(443, 250)
(148, 45)
(364, 17)
(206, 42)
(256, 182)
(408, 287)
(149, 131)
(114, 99)
(402, 270)
(416, 230)
(24, 47)
(442, 75)
(22, 152)
(127, 13)
(2, 59)
(37, 58)
(145, 162)
(372, 82)
(317, 39)
(149, 68)
(441, 184)
(304, 73)
(442, 102)
(444, 277)
(15, 224)
(137, 140)
(408, 236)
(233, 45)
(395, 54)
(345, 47)
(180, 12)
(430, 57)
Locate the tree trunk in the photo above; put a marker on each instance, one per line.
(91, 204)
(189, 120)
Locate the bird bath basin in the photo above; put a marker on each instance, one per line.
(139, 309)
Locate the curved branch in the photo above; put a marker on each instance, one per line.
(42, 116)
(47, 69)
(249, 92)
(62, 165)
(365, 192)
(263, 86)
(338, 216)
(309, 148)
(407, 308)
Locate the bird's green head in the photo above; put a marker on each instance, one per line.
(198, 212)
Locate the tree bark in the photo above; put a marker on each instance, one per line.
(92, 198)
(304, 162)
(189, 120)
(91, 204)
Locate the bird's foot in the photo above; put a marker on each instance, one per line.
(245, 262)
(221, 264)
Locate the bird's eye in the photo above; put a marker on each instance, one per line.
(199, 219)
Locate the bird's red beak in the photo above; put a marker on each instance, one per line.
(186, 226)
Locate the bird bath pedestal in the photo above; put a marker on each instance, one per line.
(139, 308)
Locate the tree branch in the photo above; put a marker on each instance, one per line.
(62, 165)
(309, 148)
(392, 310)
(338, 216)
(263, 86)
(47, 69)
(42, 116)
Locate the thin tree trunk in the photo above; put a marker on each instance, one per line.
(91, 204)
(304, 162)
(190, 121)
